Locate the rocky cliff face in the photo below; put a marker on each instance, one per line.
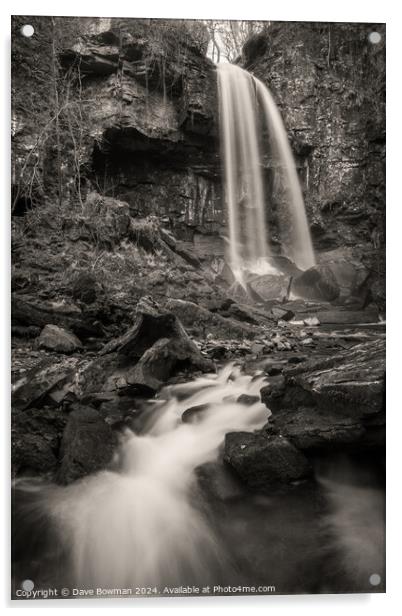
(153, 121)
(329, 83)
(150, 134)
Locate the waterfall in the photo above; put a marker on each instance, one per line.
(246, 107)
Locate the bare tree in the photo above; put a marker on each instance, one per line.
(228, 37)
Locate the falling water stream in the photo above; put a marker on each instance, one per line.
(247, 109)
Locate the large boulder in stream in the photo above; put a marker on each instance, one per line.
(336, 402)
(316, 283)
(87, 446)
(271, 286)
(264, 462)
(35, 440)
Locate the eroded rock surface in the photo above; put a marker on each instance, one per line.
(332, 402)
(264, 461)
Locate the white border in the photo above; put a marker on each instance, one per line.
(293, 10)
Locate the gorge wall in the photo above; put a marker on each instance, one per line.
(150, 136)
(329, 83)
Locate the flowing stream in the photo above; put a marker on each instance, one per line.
(246, 109)
(147, 523)
(140, 525)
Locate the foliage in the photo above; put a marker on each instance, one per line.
(48, 111)
(228, 37)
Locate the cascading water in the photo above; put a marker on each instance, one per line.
(146, 525)
(246, 108)
(140, 525)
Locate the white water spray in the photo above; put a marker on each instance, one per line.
(246, 106)
(141, 526)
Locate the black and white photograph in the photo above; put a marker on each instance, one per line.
(198, 308)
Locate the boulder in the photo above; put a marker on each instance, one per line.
(158, 362)
(87, 445)
(35, 440)
(316, 283)
(54, 338)
(263, 460)
(194, 414)
(219, 482)
(311, 429)
(282, 314)
(334, 401)
(241, 313)
(46, 380)
(271, 287)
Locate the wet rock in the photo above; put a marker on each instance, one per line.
(219, 481)
(310, 429)
(284, 265)
(57, 339)
(194, 414)
(159, 363)
(28, 311)
(226, 275)
(218, 351)
(187, 255)
(282, 313)
(32, 454)
(353, 277)
(46, 379)
(333, 401)
(347, 317)
(272, 370)
(263, 461)
(87, 445)
(271, 287)
(35, 440)
(241, 313)
(119, 409)
(316, 283)
(248, 400)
